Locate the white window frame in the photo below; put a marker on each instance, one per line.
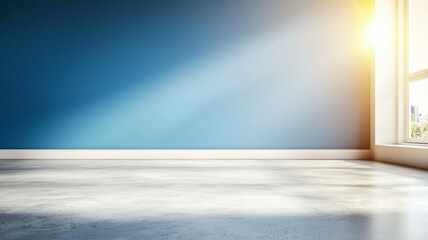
(408, 77)
(388, 95)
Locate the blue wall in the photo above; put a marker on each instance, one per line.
(183, 74)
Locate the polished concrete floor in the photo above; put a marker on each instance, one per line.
(200, 200)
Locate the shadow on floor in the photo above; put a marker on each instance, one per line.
(302, 227)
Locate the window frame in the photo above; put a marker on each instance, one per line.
(408, 77)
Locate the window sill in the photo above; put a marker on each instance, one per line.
(409, 145)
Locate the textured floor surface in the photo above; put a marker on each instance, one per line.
(200, 200)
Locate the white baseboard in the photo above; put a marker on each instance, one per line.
(321, 154)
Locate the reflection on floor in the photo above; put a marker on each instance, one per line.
(199, 200)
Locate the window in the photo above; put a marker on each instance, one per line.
(416, 70)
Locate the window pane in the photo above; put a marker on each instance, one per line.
(418, 96)
(418, 35)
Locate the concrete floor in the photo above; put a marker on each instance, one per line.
(201, 200)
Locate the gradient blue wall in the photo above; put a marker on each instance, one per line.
(211, 74)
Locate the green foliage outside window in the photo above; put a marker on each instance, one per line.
(419, 130)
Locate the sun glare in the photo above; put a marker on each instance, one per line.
(372, 35)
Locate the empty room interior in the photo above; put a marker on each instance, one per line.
(214, 119)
